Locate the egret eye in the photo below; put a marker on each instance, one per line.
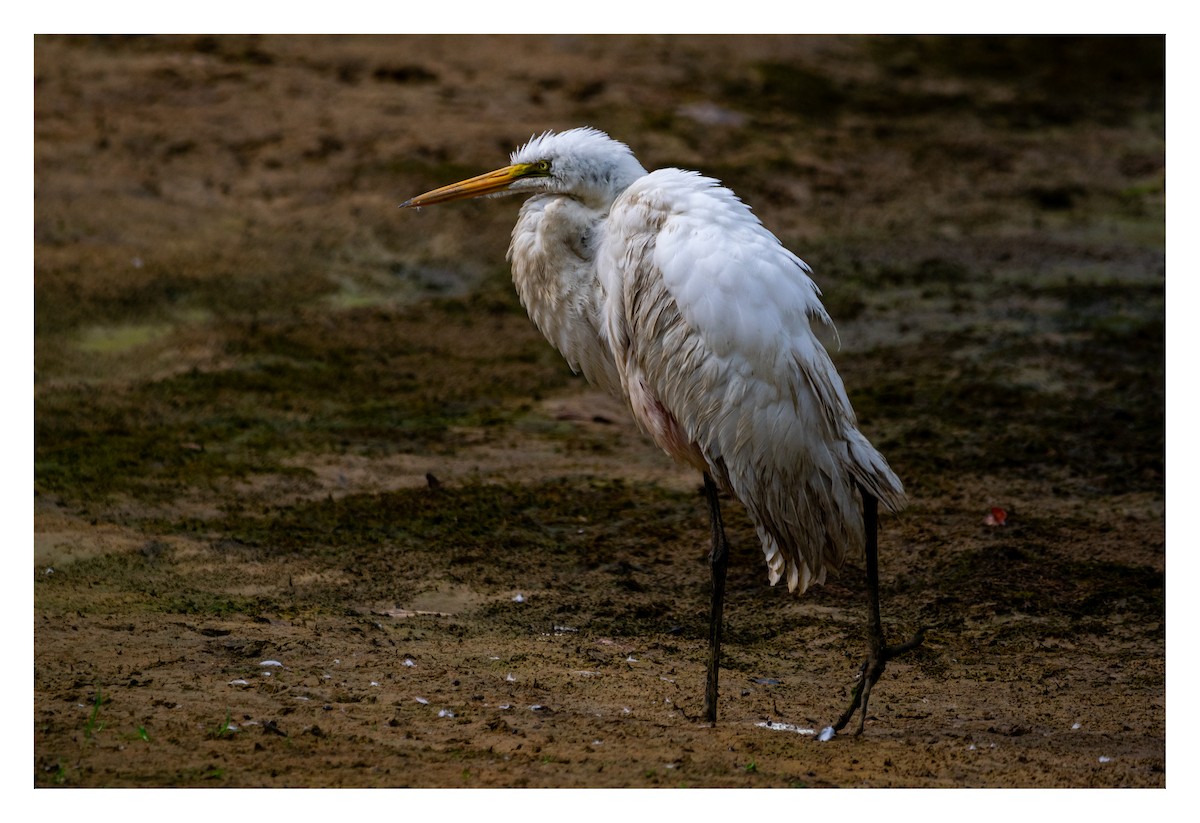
(542, 167)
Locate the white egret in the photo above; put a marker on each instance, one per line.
(664, 289)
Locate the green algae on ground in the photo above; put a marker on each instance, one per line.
(351, 381)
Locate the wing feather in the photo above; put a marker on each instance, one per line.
(710, 317)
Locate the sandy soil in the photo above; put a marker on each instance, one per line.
(316, 506)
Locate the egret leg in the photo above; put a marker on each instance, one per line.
(718, 560)
(878, 652)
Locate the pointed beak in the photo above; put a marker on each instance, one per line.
(490, 183)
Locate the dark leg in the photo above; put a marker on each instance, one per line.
(878, 652)
(718, 560)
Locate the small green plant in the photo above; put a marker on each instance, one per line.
(94, 724)
(225, 729)
(751, 767)
(142, 735)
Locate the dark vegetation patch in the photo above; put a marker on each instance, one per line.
(772, 85)
(1021, 571)
(352, 382)
(493, 537)
(404, 74)
(1078, 390)
(572, 537)
(1029, 82)
(1049, 80)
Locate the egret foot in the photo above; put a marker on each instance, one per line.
(869, 675)
(879, 653)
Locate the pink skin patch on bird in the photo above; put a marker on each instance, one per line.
(663, 428)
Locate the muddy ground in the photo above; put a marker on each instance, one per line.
(317, 506)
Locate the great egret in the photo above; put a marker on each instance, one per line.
(664, 289)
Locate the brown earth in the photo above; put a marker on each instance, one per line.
(316, 505)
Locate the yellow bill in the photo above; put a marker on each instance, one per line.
(490, 183)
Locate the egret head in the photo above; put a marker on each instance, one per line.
(583, 163)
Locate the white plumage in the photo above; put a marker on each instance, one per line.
(664, 289)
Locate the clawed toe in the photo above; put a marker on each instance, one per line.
(869, 674)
